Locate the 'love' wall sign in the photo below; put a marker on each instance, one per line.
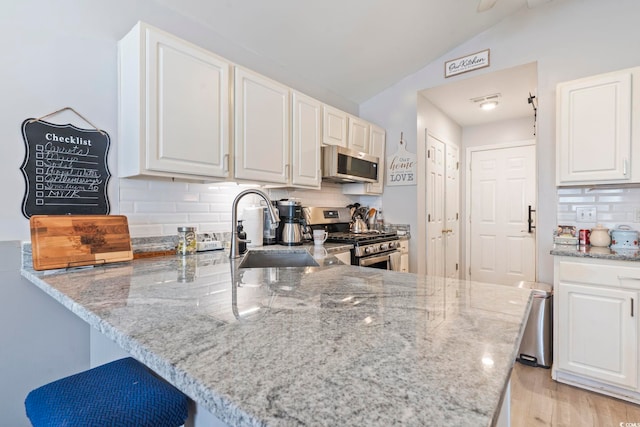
(65, 169)
(401, 167)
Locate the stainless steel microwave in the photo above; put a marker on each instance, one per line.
(340, 164)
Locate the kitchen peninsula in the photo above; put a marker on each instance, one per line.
(326, 345)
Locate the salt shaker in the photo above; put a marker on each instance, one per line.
(186, 241)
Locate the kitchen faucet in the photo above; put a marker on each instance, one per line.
(275, 219)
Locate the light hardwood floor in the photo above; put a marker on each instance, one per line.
(537, 400)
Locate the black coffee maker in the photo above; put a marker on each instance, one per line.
(290, 228)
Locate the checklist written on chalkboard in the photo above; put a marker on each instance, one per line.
(65, 169)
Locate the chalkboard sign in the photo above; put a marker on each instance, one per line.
(65, 169)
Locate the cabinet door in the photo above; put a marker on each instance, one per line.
(187, 104)
(262, 130)
(358, 137)
(307, 134)
(334, 126)
(594, 129)
(598, 334)
(377, 148)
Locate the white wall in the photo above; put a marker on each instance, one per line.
(443, 128)
(568, 38)
(64, 54)
(40, 340)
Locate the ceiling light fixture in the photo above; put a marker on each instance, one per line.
(487, 102)
(489, 105)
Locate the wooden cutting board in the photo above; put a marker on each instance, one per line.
(61, 241)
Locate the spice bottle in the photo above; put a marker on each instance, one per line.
(186, 241)
(379, 220)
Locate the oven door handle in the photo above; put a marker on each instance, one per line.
(365, 262)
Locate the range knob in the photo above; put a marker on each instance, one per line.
(368, 249)
(384, 246)
(393, 245)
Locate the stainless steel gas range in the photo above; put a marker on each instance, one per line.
(371, 248)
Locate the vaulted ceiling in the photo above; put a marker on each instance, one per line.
(353, 48)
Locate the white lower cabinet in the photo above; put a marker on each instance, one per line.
(345, 257)
(596, 325)
(404, 255)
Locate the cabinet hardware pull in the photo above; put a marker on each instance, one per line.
(530, 220)
(226, 163)
(628, 278)
(624, 167)
(631, 307)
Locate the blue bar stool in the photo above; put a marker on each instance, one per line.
(120, 393)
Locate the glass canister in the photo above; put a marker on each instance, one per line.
(186, 241)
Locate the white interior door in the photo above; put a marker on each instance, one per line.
(435, 206)
(452, 212)
(442, 208)
(502, 186)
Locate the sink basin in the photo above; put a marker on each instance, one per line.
(266, 259)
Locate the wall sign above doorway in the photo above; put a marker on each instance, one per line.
(467, 63)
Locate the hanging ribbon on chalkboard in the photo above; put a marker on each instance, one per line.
(65, 168)
(401, 166)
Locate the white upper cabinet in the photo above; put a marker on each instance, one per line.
(173, 107)
(306, 141)
(262, 128)
(377, 148)
(597, 129)
(377, 144)
(358, 136)
(334, 126)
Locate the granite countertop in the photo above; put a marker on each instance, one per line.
(596, 252)
(327, 345)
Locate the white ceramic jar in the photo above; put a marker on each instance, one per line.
(600, 236)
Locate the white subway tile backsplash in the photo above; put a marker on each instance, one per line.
(216, 198)
(133, 183)
(153, 207)
(158, 207)
(137, 194)
(192, 207)
(208, 217)
(126, 206)
(577, 199)
(611, 199)
(168, 185)
(146, 230)
(614, 205)
(568, 191)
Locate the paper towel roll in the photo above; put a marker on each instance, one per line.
(253, 219)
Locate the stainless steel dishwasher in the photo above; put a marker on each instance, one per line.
(536, 345)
